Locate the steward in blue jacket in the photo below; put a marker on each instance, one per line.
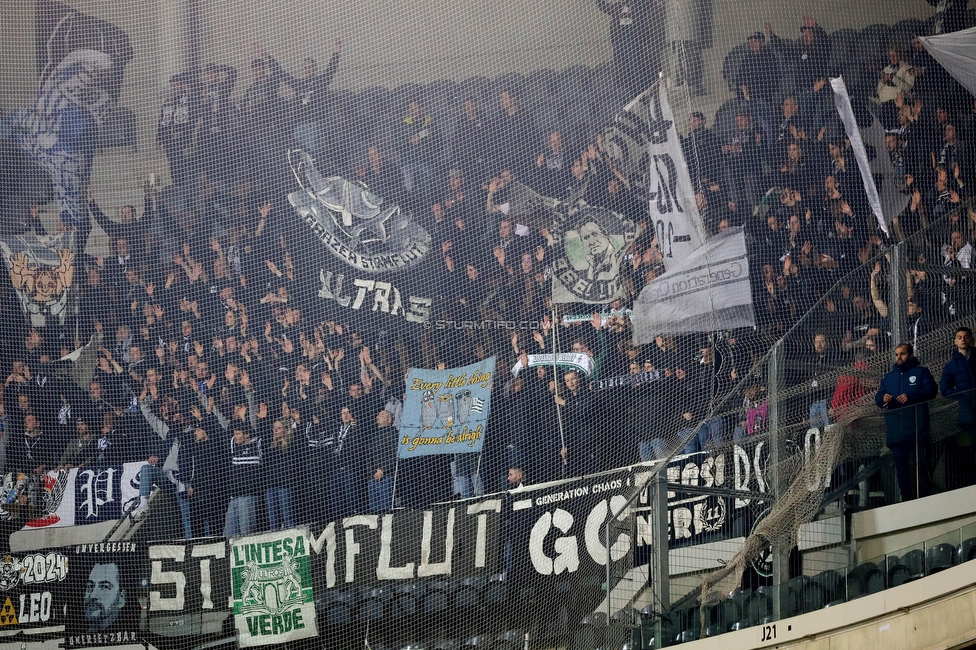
(959, 383)
(959, 379)
(904, 395)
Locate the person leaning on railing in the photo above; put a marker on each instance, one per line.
(904, 395)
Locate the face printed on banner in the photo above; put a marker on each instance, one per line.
(104, 596)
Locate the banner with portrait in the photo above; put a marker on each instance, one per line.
(589, 243)
(271, 583)
(103, 604)
(446, 411)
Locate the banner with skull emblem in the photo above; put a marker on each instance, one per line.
(446, 411)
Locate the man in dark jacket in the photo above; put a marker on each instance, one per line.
(904, 394)
(959, 383)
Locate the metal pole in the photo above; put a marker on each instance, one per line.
(781, 567)
(660, 571)
(555, 384)
(897, 302)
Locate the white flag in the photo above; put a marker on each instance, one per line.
(709, 290)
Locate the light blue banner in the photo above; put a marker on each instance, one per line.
(446, 411)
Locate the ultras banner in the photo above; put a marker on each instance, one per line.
(446, 411)
(271, 577)
(373, 256)
(75, 497)
(645, 146)
(188, 588)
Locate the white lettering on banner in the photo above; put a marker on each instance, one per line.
(481, 541)
(670, 193)
(811, 445)
(328, 537)
(98, 487)
(352, 546)
(427, 568)
(176, 553)
(383, 570)
(159, 577)
(206, 551)
(593, 531)
(566, 547)
(386, 298)
(35, 608)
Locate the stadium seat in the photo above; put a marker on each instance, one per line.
(478, 641)
(714, 630)
(372, 603)
(469, 592)
(509, 640)
(966, 551)
(496, 590)
(740, 625)
(591, 631)
(414, 646)
(513, 81)
(403, 601)
(759, 605)
(938, 558)
(865, 579)
(437, 597)
(832, 584)
(340, 607)
(686, 636)
(444, 644)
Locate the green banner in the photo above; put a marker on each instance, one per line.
(271, 578)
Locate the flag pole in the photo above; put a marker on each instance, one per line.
(555, 383)
(396, 470)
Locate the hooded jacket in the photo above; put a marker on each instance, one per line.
(958, 382)
(906, 421)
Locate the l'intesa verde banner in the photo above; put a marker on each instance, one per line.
(271, 582)
(446, 411)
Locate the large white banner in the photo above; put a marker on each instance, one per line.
(644, 143)
(709, 290)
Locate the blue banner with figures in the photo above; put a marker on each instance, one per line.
(446, 411)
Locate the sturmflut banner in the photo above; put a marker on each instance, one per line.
(446, 411)
(271, 578)
(708, 291)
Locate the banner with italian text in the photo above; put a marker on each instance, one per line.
(271, 583)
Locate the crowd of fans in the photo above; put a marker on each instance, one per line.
(220, 368)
